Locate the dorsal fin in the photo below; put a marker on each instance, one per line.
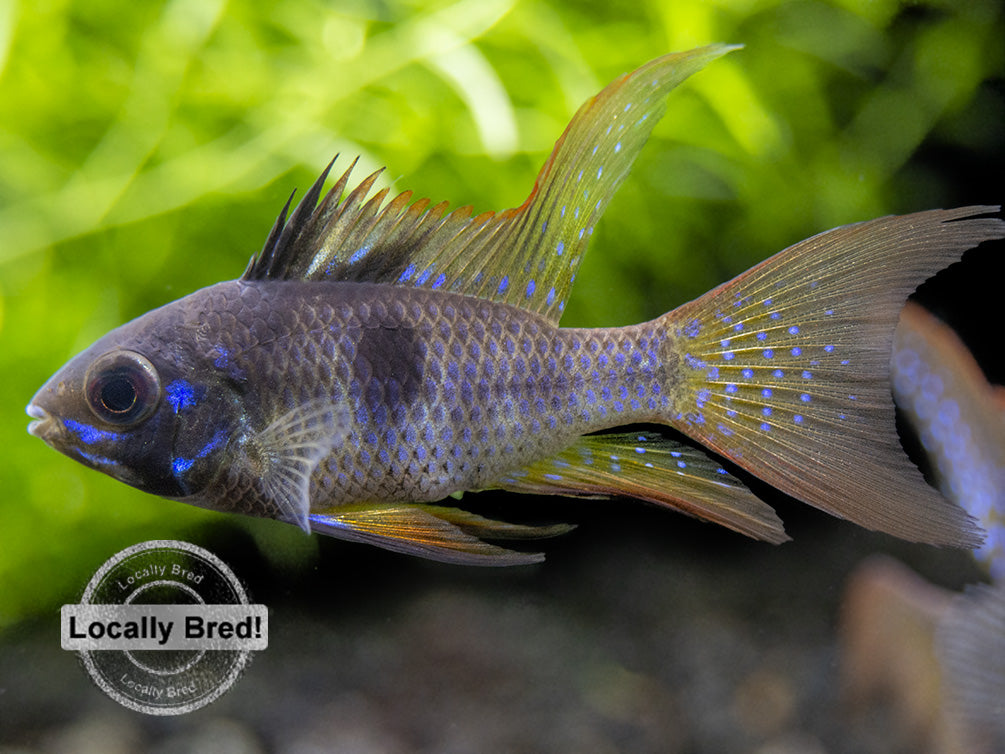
(526, 256)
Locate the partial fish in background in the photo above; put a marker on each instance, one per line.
(939, 656)
(377, 357)
(960, 419)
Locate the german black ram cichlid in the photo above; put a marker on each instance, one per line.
(376, 358)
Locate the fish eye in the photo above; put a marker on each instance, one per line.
(122, 388)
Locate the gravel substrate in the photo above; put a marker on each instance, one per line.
(643, 632)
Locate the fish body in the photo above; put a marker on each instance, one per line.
(377, 357)
(960, 419)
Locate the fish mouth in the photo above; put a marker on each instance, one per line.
(44, 426)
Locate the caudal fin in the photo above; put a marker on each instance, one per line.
(785, 369)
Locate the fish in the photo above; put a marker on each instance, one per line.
(938, 656)
(379, 357)
(960, 419)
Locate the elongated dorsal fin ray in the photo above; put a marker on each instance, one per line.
(655, 468)
(787, 369)
(450, 535)
(526, 256)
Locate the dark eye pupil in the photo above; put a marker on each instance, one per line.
(118, 395)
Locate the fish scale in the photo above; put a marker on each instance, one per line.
(378, 356)
(493, 387)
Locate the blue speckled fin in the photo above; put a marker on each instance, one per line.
(450, 535)
(526, 256)
(286, 452)
(786, 369)
(655, 468)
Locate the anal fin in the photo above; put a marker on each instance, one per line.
(655, 468)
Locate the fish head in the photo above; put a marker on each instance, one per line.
(141, 405)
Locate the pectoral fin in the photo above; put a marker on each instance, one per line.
(286, 452)
(436, 532)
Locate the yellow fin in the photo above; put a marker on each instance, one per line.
(655, 468)
(436, 532)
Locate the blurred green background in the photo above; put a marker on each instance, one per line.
(145, 149)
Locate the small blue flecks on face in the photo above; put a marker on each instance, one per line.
(180, 394)
(88, 434)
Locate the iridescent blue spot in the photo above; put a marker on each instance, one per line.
(181, 465)
(829, 312)
(778, 373)
(853, 397)
(724, 430)
(794, 330)
(768, 353)
(775, 315)
(180, 394)
(805, 397)
(560, 246)
(600, 172)
(530, 289)
(440, 280)
(829, 349)
(738, 327)
(503, 285)
(797, 351)
(731, 388)
(730, 413)
(551, 297)
(553, 477)
(628, 107)
(728, 355)
(704, 395)
(748, 373)
(681, 465)
(87, 433)
(617, 147)
(424, 276)
(807, 375)
(765, 427)
(724, 343)
(798, 419)
(640, 451)
(766, 410)
(357, 255)
(762, 335)
(767, 302)
(766, 392)
(692, 329)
